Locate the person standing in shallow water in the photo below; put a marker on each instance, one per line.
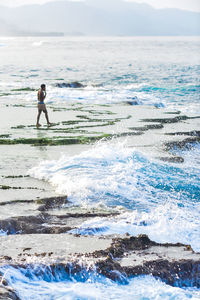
(41, 106)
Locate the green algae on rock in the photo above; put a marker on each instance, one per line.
(27, 89)
(7, 187)
(55, 141)
(4, 136)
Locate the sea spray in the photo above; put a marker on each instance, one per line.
(167, 223)
(116, 175)
(30, 285)
(160, 201)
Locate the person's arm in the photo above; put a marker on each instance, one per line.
(45, 93)
(39, 95)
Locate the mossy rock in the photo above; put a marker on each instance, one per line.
(55, 141)
(27, 89)
(4, 135)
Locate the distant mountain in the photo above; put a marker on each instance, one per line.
(12, 30)
(7, 29)
(97, 17)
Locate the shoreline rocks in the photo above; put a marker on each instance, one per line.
(7, 293)
(116, 258)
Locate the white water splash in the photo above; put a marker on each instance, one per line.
(163, 199)
(29, 286)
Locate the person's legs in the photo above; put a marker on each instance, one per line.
(38, 118)
(47, 117)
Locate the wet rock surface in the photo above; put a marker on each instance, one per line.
(32, 224)
(53, 202)
(7, 293)
(175, 264)
(172, 159)
(116, 258)
(83, 124)
(74, 85)
(187, 143)
(46, 222)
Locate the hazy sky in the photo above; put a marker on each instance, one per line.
(193, 5)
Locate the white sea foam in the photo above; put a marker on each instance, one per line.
(166, 223)
(108, 173)
(162, 203)
(135, 94)
(93, 95)
(38, 44)
(2, 232)
(29, 286)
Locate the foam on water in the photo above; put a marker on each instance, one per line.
(30, 285)
(157, 70)
(184, 98)
(164, 224)
(2, 232)
(96, 95)
(139, 93)
(162, 199)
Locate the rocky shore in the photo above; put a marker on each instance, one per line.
(118, 258)
(28, 239)
(37, 225)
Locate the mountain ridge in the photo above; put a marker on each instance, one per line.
(99, 17)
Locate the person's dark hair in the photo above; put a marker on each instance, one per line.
(43, 86)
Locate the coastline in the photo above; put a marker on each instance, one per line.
(33, 214)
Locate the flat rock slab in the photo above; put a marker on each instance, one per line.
(169, 253)
(63, 247)
(40, 248)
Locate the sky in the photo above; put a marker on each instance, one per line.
(193, 5)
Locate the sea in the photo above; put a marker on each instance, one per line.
(153, 197)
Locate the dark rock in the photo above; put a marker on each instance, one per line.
(45, 223)
(5, 257)
(112, 270)
(53, 202)
(148, 127)
(183, 273)
(26, 249)
(6, 292)
(189, 133)
(87, 215)
(175, 264)
(33, 225)
(120, 246)
(154, 126)
(172, 159)
(187, 143)
(167, 120)
(73, 85)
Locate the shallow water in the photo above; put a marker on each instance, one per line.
(161, 71)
